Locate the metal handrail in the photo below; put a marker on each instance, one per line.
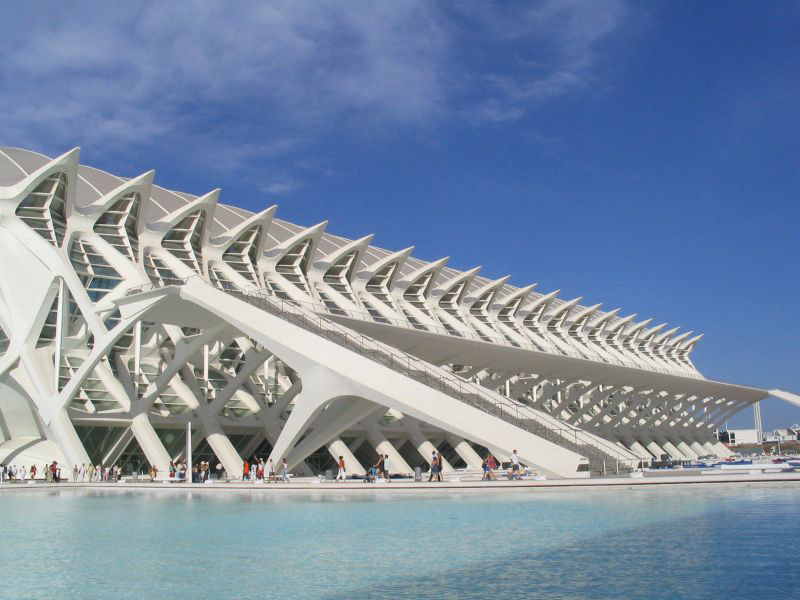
(598, 451)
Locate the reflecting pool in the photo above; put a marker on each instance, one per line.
(715, 541)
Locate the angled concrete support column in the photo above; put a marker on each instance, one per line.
(424, 445)
(112, 456)
(698, 449)
(721, 450)
(222, 446)
(673, 450)
(466, 452)
(655, 449)
(639, 450)
(687, 451)
(149, 442)
(386, 448)
(338, 448)
(64, 433)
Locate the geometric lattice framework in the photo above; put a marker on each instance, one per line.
(141, 310)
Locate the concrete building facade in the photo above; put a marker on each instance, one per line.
(128, 312)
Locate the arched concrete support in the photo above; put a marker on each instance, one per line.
(338, 448)
(339, 416)
(687, 451)
(150, 443)
(386, 448)
(465, 451)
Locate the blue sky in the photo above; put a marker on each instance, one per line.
(645, 156)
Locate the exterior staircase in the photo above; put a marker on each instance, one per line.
(604, 456)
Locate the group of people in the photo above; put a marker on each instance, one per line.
(96, 473)
(13, 473)
(261, 470)
(252, 471)
(437, 466)
(379, 469)
(515, 469)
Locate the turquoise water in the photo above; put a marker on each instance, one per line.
(686, 542)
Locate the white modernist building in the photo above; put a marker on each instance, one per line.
(130, 313)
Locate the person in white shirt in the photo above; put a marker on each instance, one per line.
(515, 465)
(386, 469)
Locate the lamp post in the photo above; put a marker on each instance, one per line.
(189, 450)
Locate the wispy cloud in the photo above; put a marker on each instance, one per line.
(542, 51)
(280, 187)
(238, 83)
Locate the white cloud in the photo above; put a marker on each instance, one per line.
(234, 83)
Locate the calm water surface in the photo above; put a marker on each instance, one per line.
(720, 542)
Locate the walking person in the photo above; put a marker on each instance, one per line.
(285, 471)
(342, 474)
(271, 471)
(246, 471)
(219, 471)
(379, 466)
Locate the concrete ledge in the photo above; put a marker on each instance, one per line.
(399, 486)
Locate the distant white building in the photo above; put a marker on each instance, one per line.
(790, 434)
(738, 437)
